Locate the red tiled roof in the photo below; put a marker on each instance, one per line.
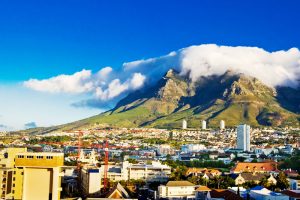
(251, 167)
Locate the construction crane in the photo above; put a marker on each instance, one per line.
(79, 149)
(105, 180)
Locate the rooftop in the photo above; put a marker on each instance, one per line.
(179, 183)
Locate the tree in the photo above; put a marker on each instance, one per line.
(282, 181)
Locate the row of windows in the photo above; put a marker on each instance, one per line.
(38, 157)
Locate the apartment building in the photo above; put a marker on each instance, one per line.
(177, 190)
(30, 167)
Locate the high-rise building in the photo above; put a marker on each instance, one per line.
(184, 124)
(203, 124)
(222, 124)
(243, 137)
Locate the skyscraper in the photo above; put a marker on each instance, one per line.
(222, 124)
(243, 137)
(184, 124)
(203, 124)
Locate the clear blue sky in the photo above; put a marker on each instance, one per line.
(41, 39)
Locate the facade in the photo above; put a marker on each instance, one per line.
(177, 190)
(90, 180)
(31, 168)
(165, 149)
(243, 137)
(8, 174)
(184, 124)
(222, 124)
(148, 172)
(188, 148)
(203, 124)
(255, 177)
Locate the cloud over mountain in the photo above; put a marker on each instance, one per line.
(272, 68)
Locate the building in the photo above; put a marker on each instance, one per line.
(188, 148)
(90, 177)
(203, 123)
(37, 176)
(7, 173)
(222, 124)
(177, 190)
(243, 137)
(261, 193)
(165, 149)
(259, 167)
(255, 177)
(154, 172)
(184, 124)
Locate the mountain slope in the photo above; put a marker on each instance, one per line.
(235, 98)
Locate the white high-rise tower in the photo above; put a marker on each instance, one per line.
(243, 137)
(203, 124)
(184, 124)
(222, 124)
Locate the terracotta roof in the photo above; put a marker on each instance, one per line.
(179, 183)
(251, 167)
(203, 189)
(225, 194)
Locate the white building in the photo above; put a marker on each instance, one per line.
(184, 124)
(188, 148)
(126, 171)
(91, 180)
(243, 137)
(177, 190)
(222, 124)
(203, 124)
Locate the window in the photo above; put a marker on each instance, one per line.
(40, 157)
(30, 157)
(49, 157)
(20, 156)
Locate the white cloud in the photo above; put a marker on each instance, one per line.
(78, 82)
(273, 68)
(115, 88)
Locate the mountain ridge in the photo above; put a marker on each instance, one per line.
(233, 97)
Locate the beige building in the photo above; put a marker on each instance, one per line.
(177, 190)
(38, 175)
(8, 173)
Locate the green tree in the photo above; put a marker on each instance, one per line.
(282, 181)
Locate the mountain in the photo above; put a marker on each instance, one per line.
(235, 98)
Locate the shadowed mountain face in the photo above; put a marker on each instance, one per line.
(235, 98)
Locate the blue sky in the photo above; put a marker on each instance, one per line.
(43, 39)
